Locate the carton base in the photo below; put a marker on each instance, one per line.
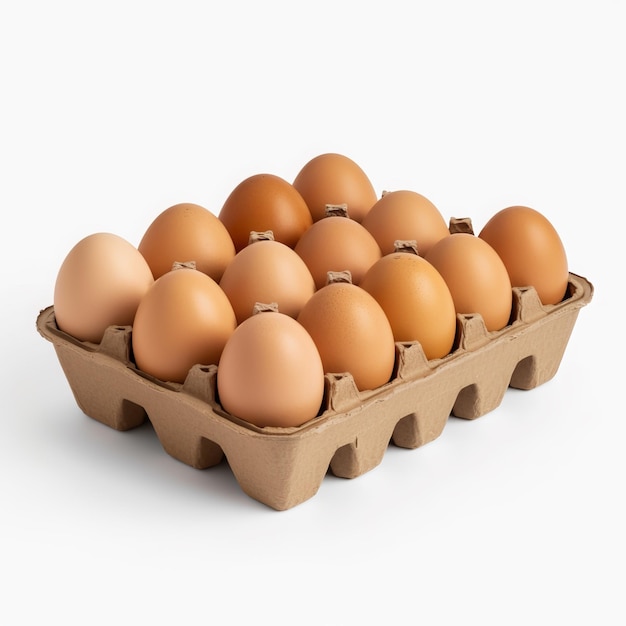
(284, 467)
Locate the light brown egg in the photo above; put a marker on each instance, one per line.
(270, 372)
(335, 244)
(405, 215)
(184, 319)
(265, 202)
(416, 300)
(99, 284)
(351, 332)
(185, 233)
(476, 277)
(335, 179)
(267, 271)
(531, 250)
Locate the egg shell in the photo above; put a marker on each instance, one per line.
(184, 319)
(531, 250)
(185, 233)
(335, 244)
(267, 271)
(99, 284)
(270, 372)
(408, 215)
(416, 300)
(265, 202)
(351, 332)
(476, 277)
(335, 179)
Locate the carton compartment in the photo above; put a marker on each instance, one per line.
(282, 467)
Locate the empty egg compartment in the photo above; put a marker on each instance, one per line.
(283, 467)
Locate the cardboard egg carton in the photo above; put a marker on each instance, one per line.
(283, 467)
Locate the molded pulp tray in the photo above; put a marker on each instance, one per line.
(283, 467)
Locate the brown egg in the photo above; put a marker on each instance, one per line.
(416, 300)
(184, 319)
(351, 332)
(99, 284)
(186, 233)
(531, 250)
(267, 271)
(335, 244)
(335, 179)
(271, 373)
(265, 202)
(476, 277)
(405, 215)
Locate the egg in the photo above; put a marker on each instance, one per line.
(531, 249)
(184, 233)
(335, 179)
(270, 372)
(99, 284)
(184, 319)
(267, 271)
(265, 202)
(405, 215)
(416, 301)
(351, 332)
(335, 244)
(476, 277)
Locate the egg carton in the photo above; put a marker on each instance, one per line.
(283, 467)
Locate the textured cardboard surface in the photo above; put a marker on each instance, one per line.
(283, 467)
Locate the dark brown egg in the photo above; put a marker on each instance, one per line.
(265, 202)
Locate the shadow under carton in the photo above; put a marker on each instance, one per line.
(283, 467)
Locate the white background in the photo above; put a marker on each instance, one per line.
(113, 111)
